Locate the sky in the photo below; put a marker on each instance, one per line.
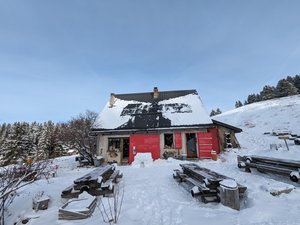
(60, 58)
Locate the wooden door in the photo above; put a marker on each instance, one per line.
(191, 147)
(205, 144)
(144, 143)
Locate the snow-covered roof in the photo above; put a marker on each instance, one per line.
(143, 111)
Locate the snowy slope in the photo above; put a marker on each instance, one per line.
(152, 196)
(267, 116)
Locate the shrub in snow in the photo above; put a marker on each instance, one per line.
(110, 206)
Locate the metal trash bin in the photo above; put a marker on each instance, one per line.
(98, 160)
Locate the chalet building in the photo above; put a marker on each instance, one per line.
(165, 123)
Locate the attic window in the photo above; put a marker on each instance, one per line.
(169, 141)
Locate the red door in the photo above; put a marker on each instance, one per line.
(144, 143)
(204, 145)
(215, 139)
(178, 141)
(208, 141)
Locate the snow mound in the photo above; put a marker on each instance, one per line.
(228, 183)
(142, 160)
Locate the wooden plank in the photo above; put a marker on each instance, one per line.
(275, 161)
(65, 214)
(72, 194)
(100, 191)
(267, 168)
(181, 176)
(271, 165)
(194, 182)
(68, 189)
(201, 174)
(114, 176)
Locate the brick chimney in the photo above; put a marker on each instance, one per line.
(155, 93)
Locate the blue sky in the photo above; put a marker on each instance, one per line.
(59, 58)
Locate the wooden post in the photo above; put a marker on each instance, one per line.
(229, 194)
(285, 138)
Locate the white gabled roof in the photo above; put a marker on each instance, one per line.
(187, 110)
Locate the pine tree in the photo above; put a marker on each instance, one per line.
(297, 82)
(215, 112)
(212, 113)
(238, 104)
(290, 79)
(268, 92)
(285, 88)
(252, 98)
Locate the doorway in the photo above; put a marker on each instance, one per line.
(118, 150)
(191, 145)
(125, 149)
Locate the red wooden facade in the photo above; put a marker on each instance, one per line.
(144, 143)
(208, 141)
(141, 143)
(178, 141)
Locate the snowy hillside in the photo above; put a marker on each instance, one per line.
(262, 117)
(153, 197)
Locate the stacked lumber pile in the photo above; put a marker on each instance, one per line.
(98, 182)
(284, 167)
(210, 186)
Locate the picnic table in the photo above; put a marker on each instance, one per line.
(97, 182)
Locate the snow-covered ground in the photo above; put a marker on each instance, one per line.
(153, 197)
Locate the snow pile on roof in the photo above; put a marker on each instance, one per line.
(197, 114)
(180, 111)
(110, 117)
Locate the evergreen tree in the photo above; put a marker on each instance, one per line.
(290, 79)
(238, 104)
(258, 97)
(268, 92)
(252, 98)
(212, 113)
(218, 111)
(297, 83)
(215, 112)
(40, 141)
(285, 88)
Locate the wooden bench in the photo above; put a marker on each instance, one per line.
(205, 183)
(284, 167)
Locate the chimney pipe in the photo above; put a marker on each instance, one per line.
(155, 93)
(112, 100)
